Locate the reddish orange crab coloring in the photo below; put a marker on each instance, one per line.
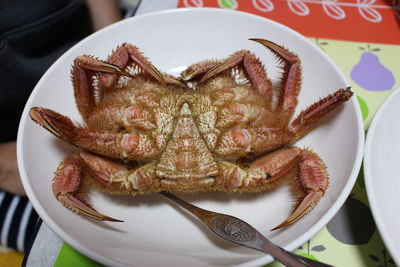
(217, 127)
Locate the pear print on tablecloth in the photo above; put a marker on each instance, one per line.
(353, 224)
(370, 74)
(307, 250)
(363, 106)
(321, 43)
(384, 260)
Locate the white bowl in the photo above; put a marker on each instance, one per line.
(156, 232)
(382, 169)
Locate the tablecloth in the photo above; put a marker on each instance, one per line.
(363, 39)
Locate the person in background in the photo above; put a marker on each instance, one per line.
(33, 34)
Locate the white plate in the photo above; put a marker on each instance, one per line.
(382, 170)
(156, 232)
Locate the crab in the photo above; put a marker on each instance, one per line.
(221, 126)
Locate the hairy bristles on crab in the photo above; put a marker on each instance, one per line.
(146, 131)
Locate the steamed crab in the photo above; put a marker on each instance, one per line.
(220, 126)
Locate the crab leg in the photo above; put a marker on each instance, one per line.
(253, 68)
(290, 85)
(240, 141)
(260, 139)
(114, 177)
(127, 55)
(66, 184)
(111, 177)
(308, 118)
(83, 70)
(256, 73)
(107, 73)
(85, 67)
(198, 69)
(115, 145)
(311, 176)
(307, 169)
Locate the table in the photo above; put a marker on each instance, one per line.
(363, 38)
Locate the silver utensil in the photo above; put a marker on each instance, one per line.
(239, 232)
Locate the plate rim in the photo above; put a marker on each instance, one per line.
(368, 176)
(314, 229)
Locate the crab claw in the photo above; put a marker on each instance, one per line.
(313, 182)
(66, 184)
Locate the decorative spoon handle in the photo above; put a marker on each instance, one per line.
(239, 232)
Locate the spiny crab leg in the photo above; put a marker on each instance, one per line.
(128, 54)
(82, 72)
(85, 67)
(313, 180)
(256, 73)
(66, 184)
(110, 144)
(262, 139)
(88, 63)
(303, 166)
(253, 68)
(137, 57)
(309, 118)
(115, 178)
(240, 141)
(112, 177)
(290, 85)
(198, 69)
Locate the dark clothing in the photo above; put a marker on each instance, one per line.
(33, 34)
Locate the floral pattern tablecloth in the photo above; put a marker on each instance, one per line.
(363, 38)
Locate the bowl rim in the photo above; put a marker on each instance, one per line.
(214, 11)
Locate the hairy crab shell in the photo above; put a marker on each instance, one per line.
(217, 127)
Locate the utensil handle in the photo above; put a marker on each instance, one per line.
(310, 262)
(240, 232)
(257, 241)
(218, 223)
(283, 256)
(286, 257)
